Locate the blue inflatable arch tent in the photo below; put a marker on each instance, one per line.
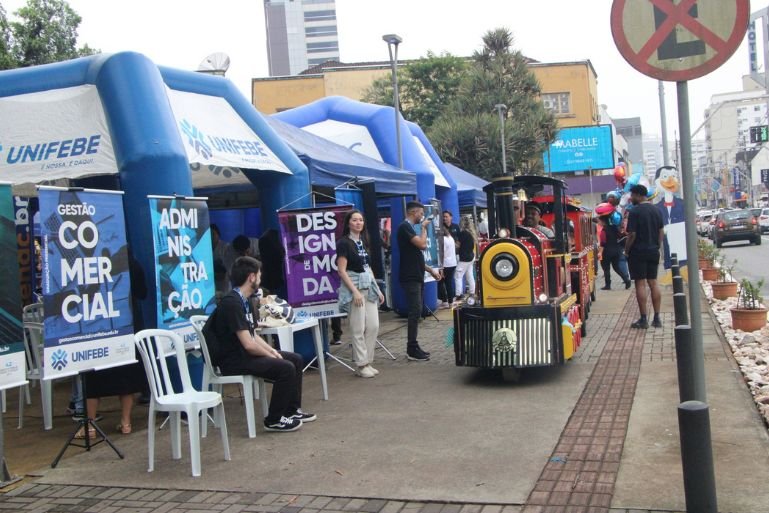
(370, 129)
(469, 188)
(149, 151)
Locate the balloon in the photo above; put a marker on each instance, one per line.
(619, 175)
(603, 209)
(615, 218)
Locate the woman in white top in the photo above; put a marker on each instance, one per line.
(449, 265)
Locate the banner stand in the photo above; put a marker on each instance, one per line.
(85, 423)
(6, 479)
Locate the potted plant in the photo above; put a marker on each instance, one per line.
(750, 314)
(705, 252)
(710, 271)
(725, 286)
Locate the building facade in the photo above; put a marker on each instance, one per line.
(570, 90)
(300, 34)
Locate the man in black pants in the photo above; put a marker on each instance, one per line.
(241, 351)
(645, 233)
(412, 271)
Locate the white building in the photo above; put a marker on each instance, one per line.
(300, 34)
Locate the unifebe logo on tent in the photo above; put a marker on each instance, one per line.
(57, 153)
(196, 139)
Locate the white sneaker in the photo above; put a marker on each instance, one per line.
(444, 305)
(365, 372)
(376, 372)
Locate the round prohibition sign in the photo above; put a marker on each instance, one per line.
(678, 40)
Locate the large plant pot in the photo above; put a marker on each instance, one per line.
(710, 274)
(704, 263)
(748, 320)
(723, 290)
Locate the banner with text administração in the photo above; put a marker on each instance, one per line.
(309, 236)
(12, 362)
(183, 262)
(86, 282)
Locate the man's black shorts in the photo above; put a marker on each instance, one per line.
(643, 266)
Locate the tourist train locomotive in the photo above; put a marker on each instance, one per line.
(534, 292)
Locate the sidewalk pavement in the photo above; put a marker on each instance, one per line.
(596, 435)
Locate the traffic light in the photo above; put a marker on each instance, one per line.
(759, 134)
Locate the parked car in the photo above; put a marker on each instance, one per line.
(703, 222)
(736, 225)
(763, 220)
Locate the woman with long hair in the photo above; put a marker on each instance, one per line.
(468, 240)
(359, 294)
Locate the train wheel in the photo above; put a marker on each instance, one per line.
(511, 375)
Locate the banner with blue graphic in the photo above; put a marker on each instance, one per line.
(579, 149)
(86, 283)
(184, 262)
(432, 257)
(25, 241)
(12, 361)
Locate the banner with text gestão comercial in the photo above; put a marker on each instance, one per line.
(184, 263)
(86, 282)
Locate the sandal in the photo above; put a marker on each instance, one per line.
(124, 428)
(80, 435)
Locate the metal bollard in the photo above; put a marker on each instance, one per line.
(679, 307)
(678, 284)
(684, 362)
(674, 259)
(697, 457)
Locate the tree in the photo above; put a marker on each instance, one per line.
(425, 87)
(468, 132)
(44, 31)
(6, 57)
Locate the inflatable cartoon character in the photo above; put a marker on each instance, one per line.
(670, 203)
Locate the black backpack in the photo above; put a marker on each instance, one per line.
(212, 341)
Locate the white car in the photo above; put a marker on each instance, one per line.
(703, 222)
(763, 220)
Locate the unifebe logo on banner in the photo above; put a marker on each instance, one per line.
(215, 135)
(183, 262)
(86, 283)
(12, 361)
(580, 149)
(309, 236)
(61, 133)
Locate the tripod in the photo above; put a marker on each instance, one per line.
(85, 423)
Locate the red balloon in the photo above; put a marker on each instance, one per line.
(619, 175)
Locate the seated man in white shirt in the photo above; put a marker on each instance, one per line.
(533, 220)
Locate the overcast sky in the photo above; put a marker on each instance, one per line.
(181, 33)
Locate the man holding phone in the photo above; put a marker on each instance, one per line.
(412, 271)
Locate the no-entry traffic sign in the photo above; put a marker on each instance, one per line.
(678, 40)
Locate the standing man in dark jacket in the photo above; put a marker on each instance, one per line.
(412, 271)
(645, 233)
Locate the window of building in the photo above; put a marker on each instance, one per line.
(559, 103)
(329, 30)
(326, 46)
(757, 108)
(319, 16)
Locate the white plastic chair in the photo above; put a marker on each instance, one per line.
(253, 387)
(33, 347)
(154, 345)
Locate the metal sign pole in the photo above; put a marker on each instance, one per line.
(690, 214)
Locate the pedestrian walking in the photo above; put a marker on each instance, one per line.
(645, 233)
(449, 267)
(467, 244)
(611, 250)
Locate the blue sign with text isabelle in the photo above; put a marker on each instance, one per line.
(579, 149)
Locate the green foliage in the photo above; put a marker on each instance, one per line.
(750, 294)
(425, 87)
(43, 31)
(464, 133)
(726, 270)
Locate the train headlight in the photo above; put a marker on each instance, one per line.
(503, 233)
(542, 298)
(504, 267)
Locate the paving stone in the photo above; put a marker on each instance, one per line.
(392, 507)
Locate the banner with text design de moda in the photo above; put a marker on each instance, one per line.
(183, 263)
(12, 362)
(309, 237)
(86, 283)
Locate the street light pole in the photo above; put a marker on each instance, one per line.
(393, 40)
(501, 108)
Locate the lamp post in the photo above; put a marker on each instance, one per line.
(501, 108)
(393, 40)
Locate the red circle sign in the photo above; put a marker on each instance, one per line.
(677, 42)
